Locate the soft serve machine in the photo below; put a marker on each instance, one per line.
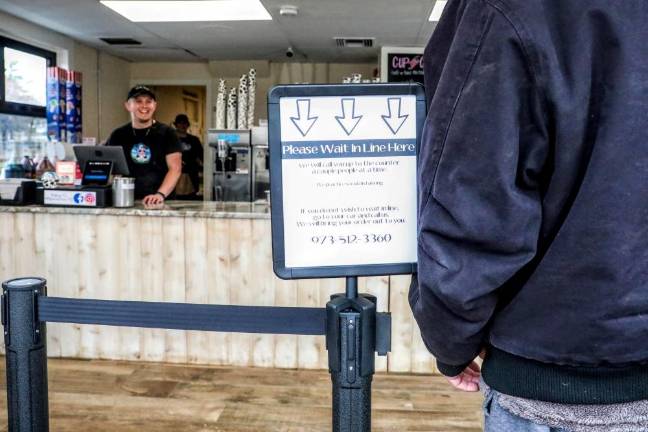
(240, 164)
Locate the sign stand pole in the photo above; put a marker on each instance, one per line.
(343, 164)
(351, 345)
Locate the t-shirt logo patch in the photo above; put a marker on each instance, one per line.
(141, 153)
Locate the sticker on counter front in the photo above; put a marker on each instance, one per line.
(349, 180)
(70, 198)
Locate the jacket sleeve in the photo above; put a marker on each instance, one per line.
(482, 156)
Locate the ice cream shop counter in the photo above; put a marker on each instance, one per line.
(194, 252)
(183, 209)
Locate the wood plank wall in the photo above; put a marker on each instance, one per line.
(195, 260)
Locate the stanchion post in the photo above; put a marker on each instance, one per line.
(350, 341)
(26, 355)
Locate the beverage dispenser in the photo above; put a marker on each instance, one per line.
(231, 164)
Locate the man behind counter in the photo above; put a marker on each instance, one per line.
(192, 152)
(152, 149)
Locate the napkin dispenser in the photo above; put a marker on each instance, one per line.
(17, 192)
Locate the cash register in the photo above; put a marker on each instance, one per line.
(98, 164)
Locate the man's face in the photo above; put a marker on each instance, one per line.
(141, 108)
(182, 127)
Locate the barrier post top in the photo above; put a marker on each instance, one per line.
(24, 284)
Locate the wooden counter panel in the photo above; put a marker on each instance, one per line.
(184, 259)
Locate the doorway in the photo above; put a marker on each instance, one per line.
(190, 100)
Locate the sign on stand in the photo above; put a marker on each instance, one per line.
(343, 178)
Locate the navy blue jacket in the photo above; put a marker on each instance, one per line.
(533, 183)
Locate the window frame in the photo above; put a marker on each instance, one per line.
(14, 107)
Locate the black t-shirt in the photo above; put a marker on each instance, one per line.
(192, 152)
(146, 151)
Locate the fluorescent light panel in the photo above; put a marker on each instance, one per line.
(437, 10)
(185, 11)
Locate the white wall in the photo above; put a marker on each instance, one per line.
(113, 76)
(106, 78)
(268, 74)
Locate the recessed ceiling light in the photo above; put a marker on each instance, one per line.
(289, 10)
(438, 10)
(184, 11)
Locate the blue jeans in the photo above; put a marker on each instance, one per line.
(497, 419)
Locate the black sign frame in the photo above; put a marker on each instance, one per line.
(276, 183)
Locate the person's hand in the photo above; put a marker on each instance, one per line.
(468, 380)
(155, 199)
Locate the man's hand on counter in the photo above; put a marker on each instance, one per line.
(174, 162)
(155, 199)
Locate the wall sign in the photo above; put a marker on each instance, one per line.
(405, 68)
(401, 64)
(343, 178)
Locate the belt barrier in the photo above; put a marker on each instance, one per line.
(183, 316)
(354, 333)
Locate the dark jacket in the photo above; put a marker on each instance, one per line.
(533, 180)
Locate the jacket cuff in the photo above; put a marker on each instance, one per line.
(450, 371)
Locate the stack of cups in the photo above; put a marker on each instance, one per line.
(243, 103)
(231, 109)
(220, 105)
(251, 97)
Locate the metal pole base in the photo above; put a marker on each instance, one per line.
(351, 405)
(351, 345)
(26, 355)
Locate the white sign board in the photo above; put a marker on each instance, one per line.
(69, 198)
(349, 180)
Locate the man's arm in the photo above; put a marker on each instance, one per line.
(483, 150)
(174, 163)
(197, 151)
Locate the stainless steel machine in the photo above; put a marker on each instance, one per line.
(240, 164)
(261, 159)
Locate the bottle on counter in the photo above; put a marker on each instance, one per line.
(14, 168)
(29, 167)
(44, 166)
(78, 175)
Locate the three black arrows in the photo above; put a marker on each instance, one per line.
(349, 119)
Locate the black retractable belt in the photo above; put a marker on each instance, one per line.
(354, 333)
(183, 316)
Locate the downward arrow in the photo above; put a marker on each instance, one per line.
(303, 122)
(394, 119)
(348, 120)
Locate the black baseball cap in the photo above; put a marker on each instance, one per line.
(181, 118)
(141, 90)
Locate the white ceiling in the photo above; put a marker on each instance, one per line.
(390, 22)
